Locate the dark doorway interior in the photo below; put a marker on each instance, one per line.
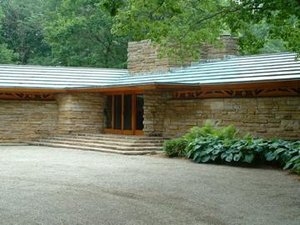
(124, 114)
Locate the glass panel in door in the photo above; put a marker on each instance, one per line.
(139, 112)
(127, 123)
(117, 111)
(108, 112)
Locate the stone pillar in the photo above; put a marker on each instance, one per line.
(143, 57)
(230, 47)
(154, 113)
(80, 113)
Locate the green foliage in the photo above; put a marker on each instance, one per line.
(62, 32)
(294, 164)
(209, 144)
(222, 150)
(284, 152)
(267, 26)
(205, 149)
(22, 29)
(175, 147)
(209, 129)
(79, 33)
(7, 55)
(261, 25)
(209, 132)
(84, 32)
(183, 23)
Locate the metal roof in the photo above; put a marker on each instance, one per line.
(16, 76)
(238, 69)
(243, 69)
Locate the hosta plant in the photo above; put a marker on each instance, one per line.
(205, 149)
(222, 145)
(282, 152)
(294, 164)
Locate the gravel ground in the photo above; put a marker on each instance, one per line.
(40, 185)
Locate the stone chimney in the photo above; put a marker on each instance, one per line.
(144, 56)
(230, 47)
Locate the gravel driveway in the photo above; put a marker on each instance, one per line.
(41, 185)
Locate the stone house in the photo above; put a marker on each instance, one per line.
(259, 94)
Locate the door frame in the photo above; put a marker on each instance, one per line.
(133, 130)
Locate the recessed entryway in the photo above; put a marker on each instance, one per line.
(124, 114)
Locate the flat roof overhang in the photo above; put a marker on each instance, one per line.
(101, 89)
(156, 86)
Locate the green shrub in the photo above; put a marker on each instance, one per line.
(209, 144)
(294, 164)
(240, 151)
(229, 132)
(175, 147)
(179, 147)
(282, 151)
(216, 149)
(205, 149)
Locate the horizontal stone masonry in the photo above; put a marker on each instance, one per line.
(80, 113)
(144, 57)
(269, 117)
(228, 47)
(154, 113)
(25, 120)
(21, 121)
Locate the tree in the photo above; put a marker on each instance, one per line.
(187, 23)
(170, 21)
(7, 55)
(79, 33)
(265, 26)
(22, 30)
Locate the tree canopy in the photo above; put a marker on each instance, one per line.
(61, 32)
(22, 29)
(96, 32)
(79, 33)
(262, 26)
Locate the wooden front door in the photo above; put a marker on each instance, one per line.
(124, 114)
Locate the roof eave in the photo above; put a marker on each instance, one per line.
(154, 86)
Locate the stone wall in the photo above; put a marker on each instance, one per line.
(263, 117)
(80, 113)
(22, 120)
(144, 57)
(229, 47)
(154, 113)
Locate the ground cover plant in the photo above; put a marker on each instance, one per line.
(210, 144)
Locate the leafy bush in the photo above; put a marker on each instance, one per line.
(240, 151)
(205, 149)
(281, 151)
(179, 146)
(229, 132)
(287, 153)
(215, 149)
(175, 147)
(212, 144)
(294, 164)
(209, 144)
